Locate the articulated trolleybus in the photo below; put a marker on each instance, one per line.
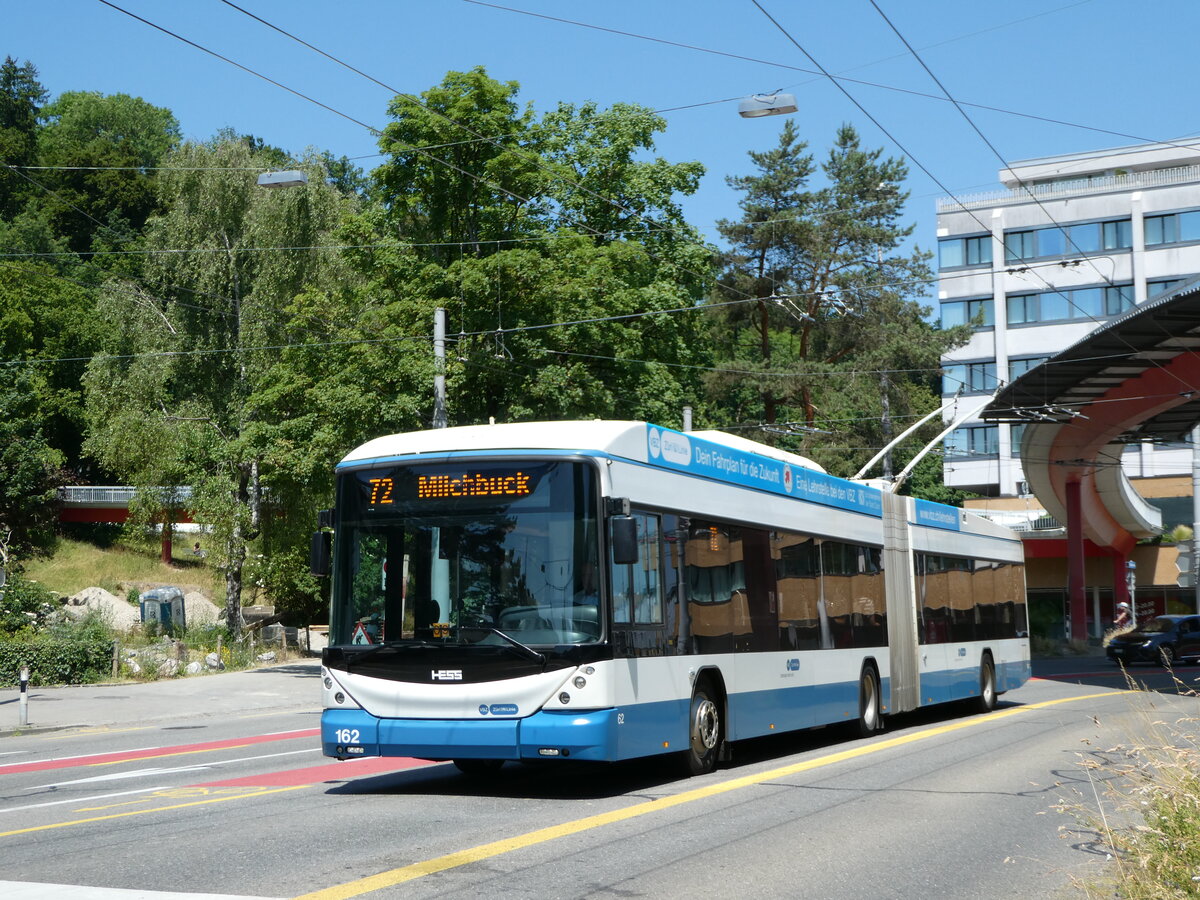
(608, 590)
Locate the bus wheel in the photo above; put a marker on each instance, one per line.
(478, 767)
(704, 733)
(870, 720)
(987, 686)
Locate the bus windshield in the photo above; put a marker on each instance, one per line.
(452, 553)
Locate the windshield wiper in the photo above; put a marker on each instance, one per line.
(524, 649)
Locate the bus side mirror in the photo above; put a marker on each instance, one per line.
(624, 540)
(319, 553)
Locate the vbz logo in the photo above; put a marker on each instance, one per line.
(446, 675)
(793, 665)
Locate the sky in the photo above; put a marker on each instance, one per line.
(1122, 70)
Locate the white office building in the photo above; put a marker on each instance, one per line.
(1071, 242)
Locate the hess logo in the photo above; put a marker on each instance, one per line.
(446, 675)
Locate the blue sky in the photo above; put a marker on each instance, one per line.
(1107, 64)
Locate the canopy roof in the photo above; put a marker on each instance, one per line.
(1135, 378)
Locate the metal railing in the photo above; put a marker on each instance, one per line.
(1023, 522)
(1061, 190)
(117, 495)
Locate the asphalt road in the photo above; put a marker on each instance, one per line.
(231, 797)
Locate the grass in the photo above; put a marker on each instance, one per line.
(1146, 809)
(76, 565)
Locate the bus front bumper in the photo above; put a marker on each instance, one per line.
(587, 735)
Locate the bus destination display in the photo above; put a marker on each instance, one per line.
(384, 490)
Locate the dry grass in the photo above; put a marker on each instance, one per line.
(76, 565)
(1145, 807)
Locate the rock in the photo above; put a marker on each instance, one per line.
(267, 657)
(194, 668)
(168, 668)
(134, 667)
(213, 661)
(199, 609)
(113, 610)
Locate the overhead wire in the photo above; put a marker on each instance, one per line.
(780, 65)
(1005, 163)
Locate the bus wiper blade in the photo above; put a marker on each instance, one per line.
(524, 649)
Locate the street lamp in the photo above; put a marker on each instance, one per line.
(290, 178)
(776, 104)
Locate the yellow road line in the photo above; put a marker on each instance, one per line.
(142, 812)
(497, 848)
(92, 730)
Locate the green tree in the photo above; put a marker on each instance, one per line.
(185, 394)
(557, 220)
(21, 96)
(832, 339)
(107, 148)
(30, 473)
(448, 184)
(48, 324)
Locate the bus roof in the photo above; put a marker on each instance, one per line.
(618, 438)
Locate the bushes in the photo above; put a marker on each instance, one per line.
(54, 659)
(24, 605)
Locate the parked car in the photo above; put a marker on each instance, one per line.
(1163, 639)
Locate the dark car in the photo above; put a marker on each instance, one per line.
(1163, 639)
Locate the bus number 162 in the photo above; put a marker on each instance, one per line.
(346, 735)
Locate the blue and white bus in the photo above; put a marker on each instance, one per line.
(605, 590)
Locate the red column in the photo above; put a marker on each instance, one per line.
(1076, 590)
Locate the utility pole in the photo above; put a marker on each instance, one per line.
(884, 385)
(439, 368)
(1196, 511)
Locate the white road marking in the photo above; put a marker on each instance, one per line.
(32, 890)
(81, 800)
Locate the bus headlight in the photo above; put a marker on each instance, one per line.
(579, 682)
(564, 698)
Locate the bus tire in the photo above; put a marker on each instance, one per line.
(478, 768)
(704, 731)
(870, 719)
(986, 701)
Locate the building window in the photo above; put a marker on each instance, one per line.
(1155, 288)
(1118, 299)
(968, 251)
(1065, 306)
(1020, 245)
(1016, 433)
(972, 378)
(968, 312)
(1018, 367)
(1086, 237)
(973, 440)
(1175, 228)
(1118, 235)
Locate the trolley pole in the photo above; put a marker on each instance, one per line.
(1196, 511)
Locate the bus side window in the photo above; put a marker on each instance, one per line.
(647, 587)
(637, 588)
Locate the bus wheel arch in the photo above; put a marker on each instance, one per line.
(707, 716)
(870, 702)
(986, 701)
